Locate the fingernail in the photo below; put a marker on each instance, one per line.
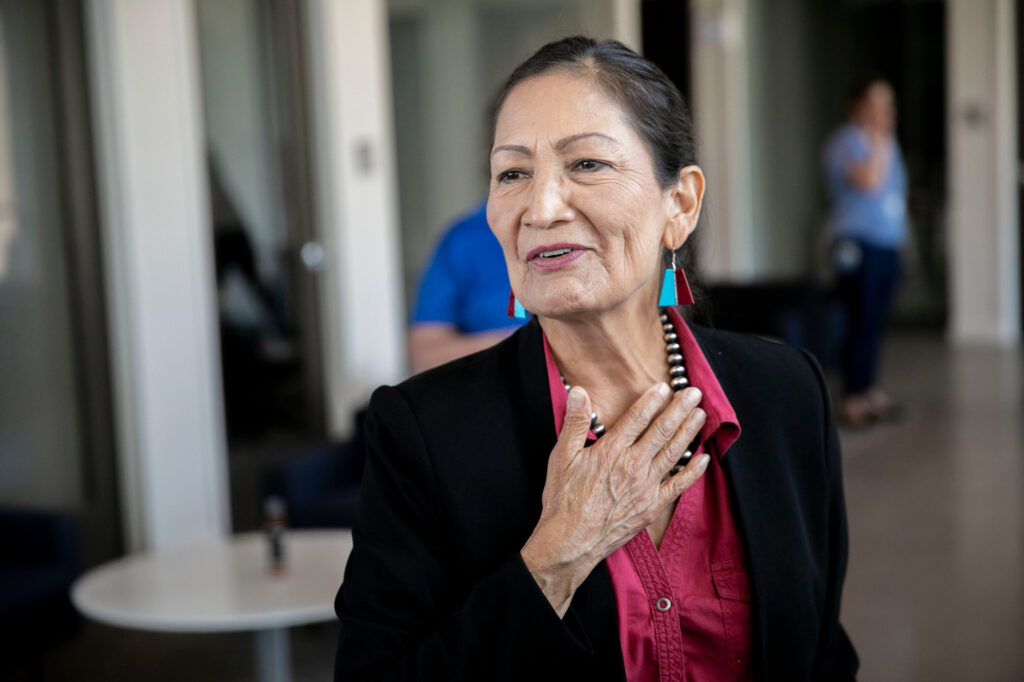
(663, 390)
(693, 395)
(704, 459)
(576, 397)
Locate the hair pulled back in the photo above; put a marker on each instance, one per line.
(655, 107)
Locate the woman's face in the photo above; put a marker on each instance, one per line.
(574, 200)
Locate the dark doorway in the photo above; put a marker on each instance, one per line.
(905, 43)
(267, 258)
(665, 30)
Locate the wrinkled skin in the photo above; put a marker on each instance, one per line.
(567, 167)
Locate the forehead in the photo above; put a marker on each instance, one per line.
(556, 105)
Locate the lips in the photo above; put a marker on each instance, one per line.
(551, 256)
(552, 251)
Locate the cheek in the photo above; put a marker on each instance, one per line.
(504, 229)
(630, 229)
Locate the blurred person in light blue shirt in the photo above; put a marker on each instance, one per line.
(867, 186)
(462, 302)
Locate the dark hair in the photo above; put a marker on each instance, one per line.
(859, 90)
(656, 109)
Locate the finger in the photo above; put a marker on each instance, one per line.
(666, 425)
(577, 420)
(676, 448)
(639, 415)
(675, 485)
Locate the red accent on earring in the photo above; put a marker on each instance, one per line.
(511, 304)
(683, 294)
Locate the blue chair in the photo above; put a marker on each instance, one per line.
(320, 487)
(38, 563)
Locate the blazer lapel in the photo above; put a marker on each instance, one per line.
(746, 471)
(537, 419)
(594, 601)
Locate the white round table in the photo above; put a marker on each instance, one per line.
(223, 586)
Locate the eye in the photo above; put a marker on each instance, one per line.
(511, 175)
(589, 165)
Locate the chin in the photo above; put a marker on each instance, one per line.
(564, 304)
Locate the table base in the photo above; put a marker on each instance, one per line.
(272, 655)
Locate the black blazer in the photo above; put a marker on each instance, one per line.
(435, 588)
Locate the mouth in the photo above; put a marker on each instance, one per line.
(550, 251)
(552, 256)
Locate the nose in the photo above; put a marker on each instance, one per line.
(548, 203)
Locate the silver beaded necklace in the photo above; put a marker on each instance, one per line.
(676, 369)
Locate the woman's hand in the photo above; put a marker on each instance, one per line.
(596, 499)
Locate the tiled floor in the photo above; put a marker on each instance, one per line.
(106, 654)
(935, 588)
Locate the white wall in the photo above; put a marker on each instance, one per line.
(722, 119)
(787, 217)
(159, 268)
(356, 201)
(984, 224)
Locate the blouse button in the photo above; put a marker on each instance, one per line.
(663, 604)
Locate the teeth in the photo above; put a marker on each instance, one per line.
(554, 254)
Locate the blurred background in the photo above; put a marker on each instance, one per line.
(214, 216)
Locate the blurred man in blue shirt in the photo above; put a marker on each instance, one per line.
(462, 303)
(867, 185)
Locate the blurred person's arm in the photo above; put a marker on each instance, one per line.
(869, 174)
(433, 344)
(436, 333)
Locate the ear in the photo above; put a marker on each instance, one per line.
(683, 201)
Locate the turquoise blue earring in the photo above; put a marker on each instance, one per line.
(515, 308)
(675, 290)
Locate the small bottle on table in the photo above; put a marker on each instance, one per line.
(275, 521)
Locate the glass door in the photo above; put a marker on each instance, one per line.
(57, 447)
(266, 257)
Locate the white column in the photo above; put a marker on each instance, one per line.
(722, 121)
(984, 256)
(159, 267)
(356, 201)
(624, 23)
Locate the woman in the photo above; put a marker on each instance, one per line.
(514, 530)
(868, 186)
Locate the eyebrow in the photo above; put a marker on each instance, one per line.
(561, 144)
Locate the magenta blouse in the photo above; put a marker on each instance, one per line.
(684, 609)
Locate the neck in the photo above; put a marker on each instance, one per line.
(615, 355)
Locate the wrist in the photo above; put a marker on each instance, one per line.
(558, 577)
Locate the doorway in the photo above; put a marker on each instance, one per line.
(267, 258)
(665, 27)
(57, 445)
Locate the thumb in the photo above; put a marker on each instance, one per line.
(577, 419)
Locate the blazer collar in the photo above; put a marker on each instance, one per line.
(594, 601)
(533, 386)
(746, 470)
